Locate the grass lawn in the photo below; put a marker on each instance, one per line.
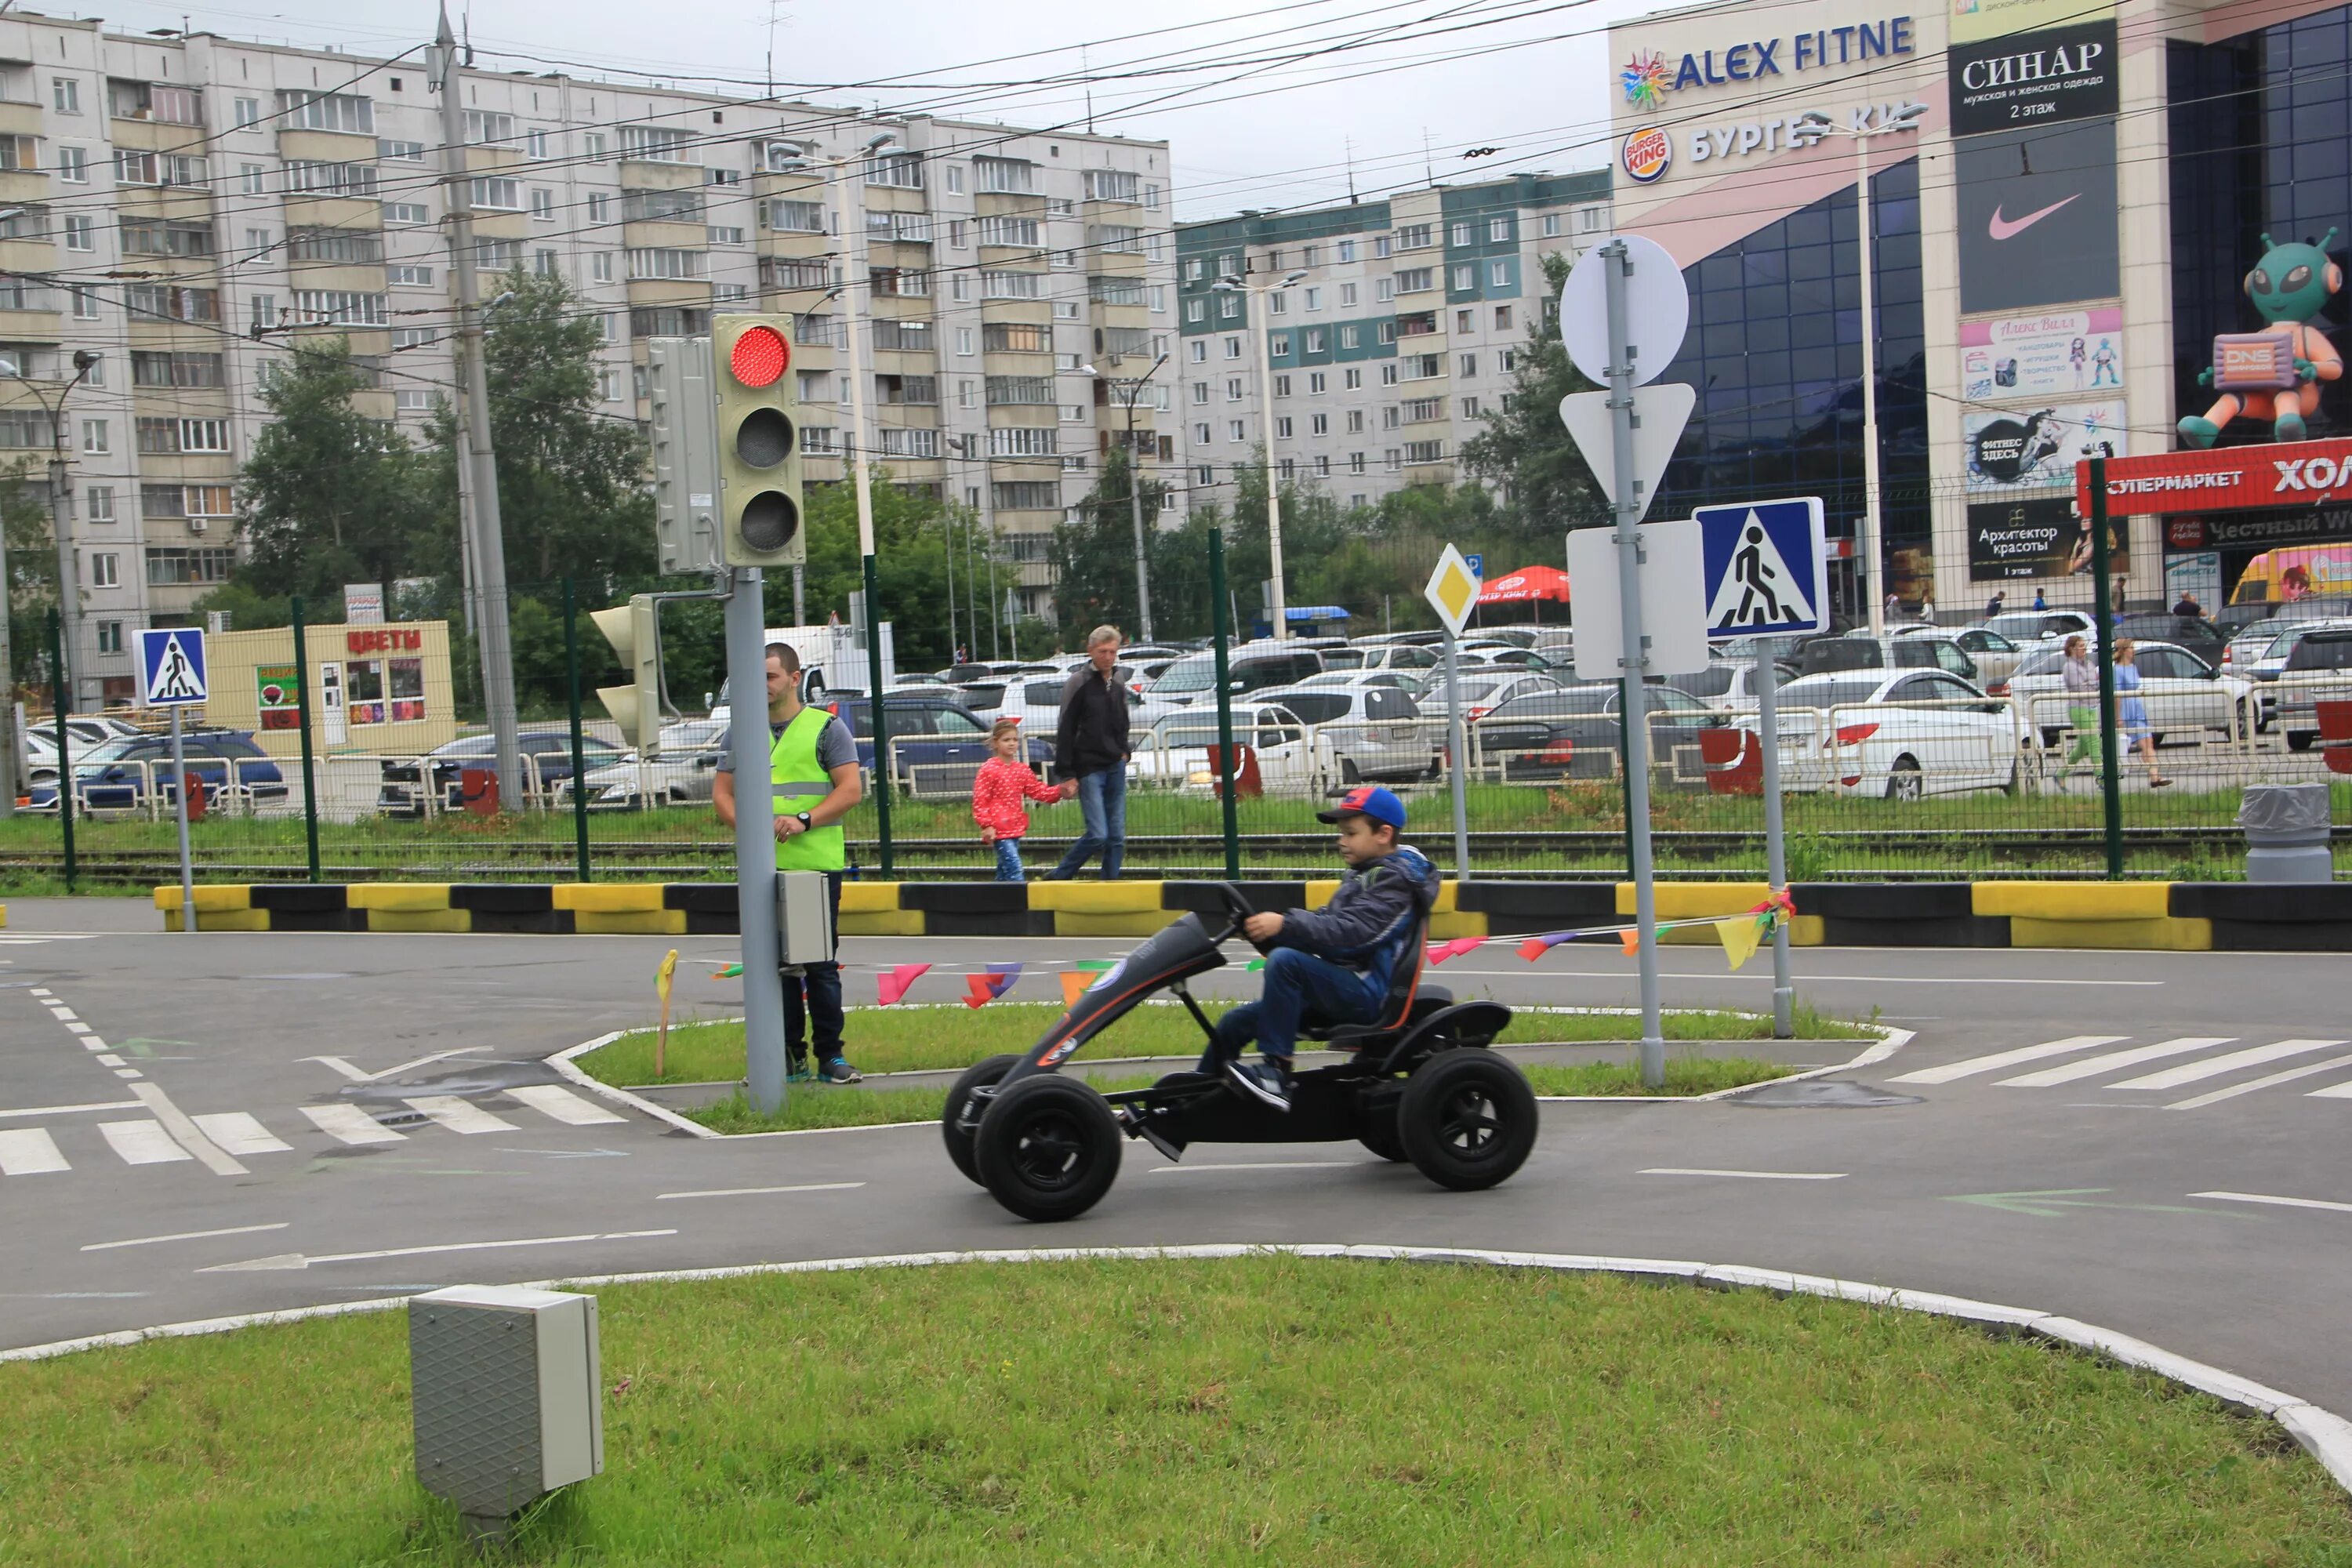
(1272, 1409)
(908, 1039)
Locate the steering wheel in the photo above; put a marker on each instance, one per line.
(1239, 908)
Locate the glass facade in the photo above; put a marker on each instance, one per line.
(1775, 348)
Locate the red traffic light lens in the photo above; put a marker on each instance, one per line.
(760, 356)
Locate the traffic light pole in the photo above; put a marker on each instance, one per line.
(853, 304)
(755, 840)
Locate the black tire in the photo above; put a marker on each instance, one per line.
(959, 1142)
(2300, 740)
(1381, 1139)
(1467, 1120)
(1049, 1148)
(1905, 780)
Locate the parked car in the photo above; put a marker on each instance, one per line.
(1292, 758)
(1383, 656)
(133, 771)
(1995, 656)
(2271, 662)
(2185, 696)
(37, 759)
(1416, 684)
(1509, 655)
(2041, 626)
(1249, 667)
(1728, 685)
(1036, 702)
(1484, 691)
(1898, 736)
(937, 744)
(2319, 668)
(679, 774)
(2195, 633)
(1920, 649)
(402, 789)
(1573, 731)
(1374, 732)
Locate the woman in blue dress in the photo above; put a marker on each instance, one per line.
(2131, 710)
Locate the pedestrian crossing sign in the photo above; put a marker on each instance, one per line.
(171, 666)
(1764, 571)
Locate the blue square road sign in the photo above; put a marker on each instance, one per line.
(1764, 571)
(172, 667)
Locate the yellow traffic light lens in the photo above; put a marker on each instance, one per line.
(765, 438)
(760, 356)
(770, 520)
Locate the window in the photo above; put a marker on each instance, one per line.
(401, 151)
(1425, 451)
(339, 306)
(1502, 318)
(1066, 260)
(106, 571)
(600, 266)
(169, 437)
(1026, 495)
(1469, 366)
(109, 633)
(1551, 226)
(1508, 360)
(1384, 290)
(1463, 319)
(1315, 382)
(309, 177)
(1317, 340)
(348, 113)
(250, 178)
(1355, 421)
(1318, 424)
(1112, 186)
(1201, 435)
(1351, 336)
(264, 313)
(963, 339)
(1233, 387)
(651, 262)
(1205, 474)
(1196, 310)
(794, 217)
(542, 204)
(1469, 408)
(649, 144)
(535, 144)
(543, 262)
(73, 165)
(594, 143)
(1023, 441)
(1413, 237)
(903, 170)
(81, 233)
(1413, 280)
(1498, 230)
(955, 179)
(21, 427)
(1278, 344)
(1498, 274)
(171, 566)
(1016, 337)
(1158, 294)
(93, 436)
(489, 194)
(173, 369)
(1001, 285)
(1229, 306)
(1199, 349)
(1389, 374)
(1282, 429)
(1465, 276)
(1235, 430)
(1313, 299)
(1233, 348)
(341, 246)
(1277, 303)
(98, 500)
(1029, 390)
(1010, 176)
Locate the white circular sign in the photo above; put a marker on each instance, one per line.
(1657, 309)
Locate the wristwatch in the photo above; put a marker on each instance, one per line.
(802, 818)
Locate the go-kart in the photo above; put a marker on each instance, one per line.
(1418, 1085)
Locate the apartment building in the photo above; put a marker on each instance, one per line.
(187, 205)
(1401, 330)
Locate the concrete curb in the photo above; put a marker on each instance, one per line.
(2321, 1433)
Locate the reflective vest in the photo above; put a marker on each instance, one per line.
(800, 784)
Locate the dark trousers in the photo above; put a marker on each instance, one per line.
(1298, 986)
(814, 997)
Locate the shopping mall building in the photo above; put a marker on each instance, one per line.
(2065, 198)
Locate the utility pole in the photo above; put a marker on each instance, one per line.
(489, 538)
(1135, 500)
(8, 746)
(848, 166)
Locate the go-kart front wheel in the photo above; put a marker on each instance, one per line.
(952, 1131)
(1047, 1147)
(1467, 1120)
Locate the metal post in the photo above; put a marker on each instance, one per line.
(69, 568)
(852, 286)
(1634, 713)
(9, 747)
(1135, 515)
(579, 744)
(1273, 475)
(492, 629)
(800, 595)
(302, 712)
(1458, 741)
(878, 707)
(755, 842)
(1776, 843)
(2110, 765)
(62, 694)
(1871, 571)
(1220, 632)
(180, 816)
(947, 550)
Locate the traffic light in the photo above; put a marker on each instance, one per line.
(759, 442)
(634, 631)
(686, 453)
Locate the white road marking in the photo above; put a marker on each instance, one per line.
(185, 1235)
(29, 1151)
(2116, 1061)
(554, 1099)
(2333, 1091)
(2214, 1067)
(460, 1115)
(298, 1260)
(129, 1072)
(1999, 1059)
(69, 1110)
(349, 1071)
(240, 1134)
(1748, 1175)
(107, 1058)
(142, 1142)
(2281, 1203)
(760, 1192)
(80, 1028)
(1269, 1165)
(351, 1124)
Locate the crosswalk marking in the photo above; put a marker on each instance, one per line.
(1994, 1063)
(143, 1142)
(2213, 1096)
(240, 1133)
(563, 1105)
(29, 1151)
(460, 1115)
(350, 1124)
(2333, 1091)
(2115, 1062)
(2214, 1067)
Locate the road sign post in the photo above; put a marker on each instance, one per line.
(1452, 592)
(173, 675)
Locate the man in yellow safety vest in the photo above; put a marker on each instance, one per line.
(813, 763)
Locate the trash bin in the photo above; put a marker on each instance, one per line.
(2286, 832)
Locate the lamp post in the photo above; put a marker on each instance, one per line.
(1135, 493)
(69, 577)
(1257, 330)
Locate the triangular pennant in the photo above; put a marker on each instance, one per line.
(1097, 965)
(976, 992)
(892, 982)
(1740, 938)
(1254, 966)
(1439, 952)
(1074, 985)
(1535, 947)
(1630, 938)
(730, 973)
(1001, 977)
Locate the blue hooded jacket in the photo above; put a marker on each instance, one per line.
(1376, 911)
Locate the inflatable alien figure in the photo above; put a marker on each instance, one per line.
(2274, 374)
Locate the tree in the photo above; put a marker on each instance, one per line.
(1525, 450)
(1093, 559)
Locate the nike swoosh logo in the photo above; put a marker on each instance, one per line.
(2009, 229)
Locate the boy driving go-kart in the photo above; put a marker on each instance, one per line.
(1334, 963)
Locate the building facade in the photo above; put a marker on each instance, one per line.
(1400, 334)
(186, 206)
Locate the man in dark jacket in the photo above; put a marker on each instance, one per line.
(1090, 752)
(1335, 963)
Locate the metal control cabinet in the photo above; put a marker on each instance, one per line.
(804, 919)
(505, 1385)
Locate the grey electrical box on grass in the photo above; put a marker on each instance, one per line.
(505, 1385)
(804, 919)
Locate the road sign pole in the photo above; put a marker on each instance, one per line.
(61, 696)
(180, 816)
(2111, 799)
(1633, 714)
(309, 764)
(1228, 769)
(1461, 758)
(755, 841)
(1776, 843)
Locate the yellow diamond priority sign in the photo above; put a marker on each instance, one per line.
(1453, 590)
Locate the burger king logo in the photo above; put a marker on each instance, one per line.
(1646, 154)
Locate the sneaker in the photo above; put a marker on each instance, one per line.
(1265, 1081)
(796, 1067)
(838, 1071)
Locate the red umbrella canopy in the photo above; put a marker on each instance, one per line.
(1527, 583)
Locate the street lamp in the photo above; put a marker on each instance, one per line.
(60, 512)
(1265, 423)
(1135, 490)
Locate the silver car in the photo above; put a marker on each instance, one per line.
(1374, 732)
(680, 774)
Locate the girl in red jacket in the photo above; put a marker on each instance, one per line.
(998, 792)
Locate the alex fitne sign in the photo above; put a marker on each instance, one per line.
(1647, 78)
(2305, 472)
(2035, 78)
(2012, 357)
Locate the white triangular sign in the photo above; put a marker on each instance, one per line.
(1659, 411)
(1759, 590)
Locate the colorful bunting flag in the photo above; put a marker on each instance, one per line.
(730, 973)
(1740, 935)
(982, 989)
(1535, 947)
(892, 982)
(1254, 966)
(1439, 952)
(1630, 938)
(1074, 985)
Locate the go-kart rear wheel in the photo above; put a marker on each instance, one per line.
(952, 1129)
(1047, 1147)
(1467, 1120)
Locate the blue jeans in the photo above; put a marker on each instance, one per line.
(1296, 984)
(1102, 801)
(813, 997)
(1008, 860)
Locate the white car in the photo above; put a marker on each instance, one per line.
(2273, 658)
(1383, 656)
(1036, 702)
(1483, 690)
(37, 759)
(2184, 695)
(2041, 626)
(1414, 684)
(1898, 736)
(1375, 732)
(1995, 656)
(1727, 685)
(1292, 758)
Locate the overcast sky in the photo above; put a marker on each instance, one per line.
(1251, 125)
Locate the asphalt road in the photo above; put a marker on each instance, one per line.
(175, 1144)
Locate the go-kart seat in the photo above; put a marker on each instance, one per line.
(1406, 995)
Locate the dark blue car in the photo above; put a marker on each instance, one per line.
(938, 744)
(134, 772)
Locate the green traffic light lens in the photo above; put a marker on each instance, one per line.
(765, 438)
(770, 520)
